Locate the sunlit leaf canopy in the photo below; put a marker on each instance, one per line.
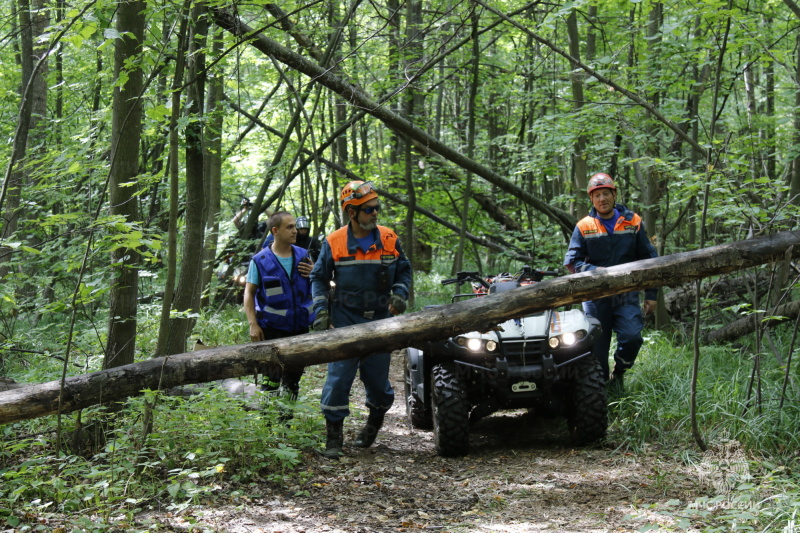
(683, 103)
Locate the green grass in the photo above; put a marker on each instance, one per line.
(655, 412)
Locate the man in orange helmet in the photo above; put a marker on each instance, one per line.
(372, 279)
(612, 235)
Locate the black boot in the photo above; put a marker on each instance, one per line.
(368, 433)
(334, 440)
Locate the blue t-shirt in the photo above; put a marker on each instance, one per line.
(365, 242)
(609, 223)
(254, 277)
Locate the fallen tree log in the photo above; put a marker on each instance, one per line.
(393, 333)
(724, 291)
(749, 323)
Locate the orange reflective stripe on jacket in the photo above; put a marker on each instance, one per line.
(592, 227)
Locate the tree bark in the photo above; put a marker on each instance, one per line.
(173, 171)
(187, 294)
(750, 323)
(398, 332)
(794, 174)
(212, 161)
(126, 131)
(474, 82)
(33, 57)
(580, 168)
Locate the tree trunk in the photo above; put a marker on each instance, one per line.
(749, 323)
(794, 174)
(212, 159)
(473, 94)
(33, 21)
(173, 170)
(413, 329)
(126, 131)
(579, 167)
(187, 294)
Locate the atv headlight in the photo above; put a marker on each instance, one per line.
(568, 339)
(474, 345)
(565, 340)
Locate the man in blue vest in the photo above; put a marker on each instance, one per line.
(612, 235)
(373, 278)
(277, 296)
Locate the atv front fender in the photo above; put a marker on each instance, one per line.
(415, 368)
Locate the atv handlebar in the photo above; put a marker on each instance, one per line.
(463, 277)
(474, 276)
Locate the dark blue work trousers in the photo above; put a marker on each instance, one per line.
(373, 370)
(620, 314)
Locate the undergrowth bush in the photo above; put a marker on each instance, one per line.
(155, 451)
(751, 457)
(197, 447)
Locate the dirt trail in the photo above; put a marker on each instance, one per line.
(518, 478)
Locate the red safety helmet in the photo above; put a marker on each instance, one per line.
(600, 181)
(357, 192)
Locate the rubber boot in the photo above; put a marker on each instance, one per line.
(368, 433)
(334, 440)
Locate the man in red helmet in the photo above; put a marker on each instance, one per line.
(612, 235)
(372, 279)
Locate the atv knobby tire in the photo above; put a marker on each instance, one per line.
(450, 412)
(418, 416)
(587, 413)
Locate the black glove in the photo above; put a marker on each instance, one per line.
(398, 303)
(322, 322)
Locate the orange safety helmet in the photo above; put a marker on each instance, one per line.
(600, 181)
(357, 192)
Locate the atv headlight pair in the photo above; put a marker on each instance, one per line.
(565, 340)
(477, 345)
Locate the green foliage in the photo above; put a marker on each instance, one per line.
(196, 448)
(658, 404)
(655, 412)
(166, 449)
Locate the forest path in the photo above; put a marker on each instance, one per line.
(521, 476)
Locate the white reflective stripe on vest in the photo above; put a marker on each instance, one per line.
(280, 312)
(274, 291)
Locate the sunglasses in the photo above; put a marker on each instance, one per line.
(371, 209)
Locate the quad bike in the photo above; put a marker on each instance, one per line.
(542, 362)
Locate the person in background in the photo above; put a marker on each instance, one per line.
(260, 227)
(612, 235)
(372, 280)
(304, 238)
(277, 296)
